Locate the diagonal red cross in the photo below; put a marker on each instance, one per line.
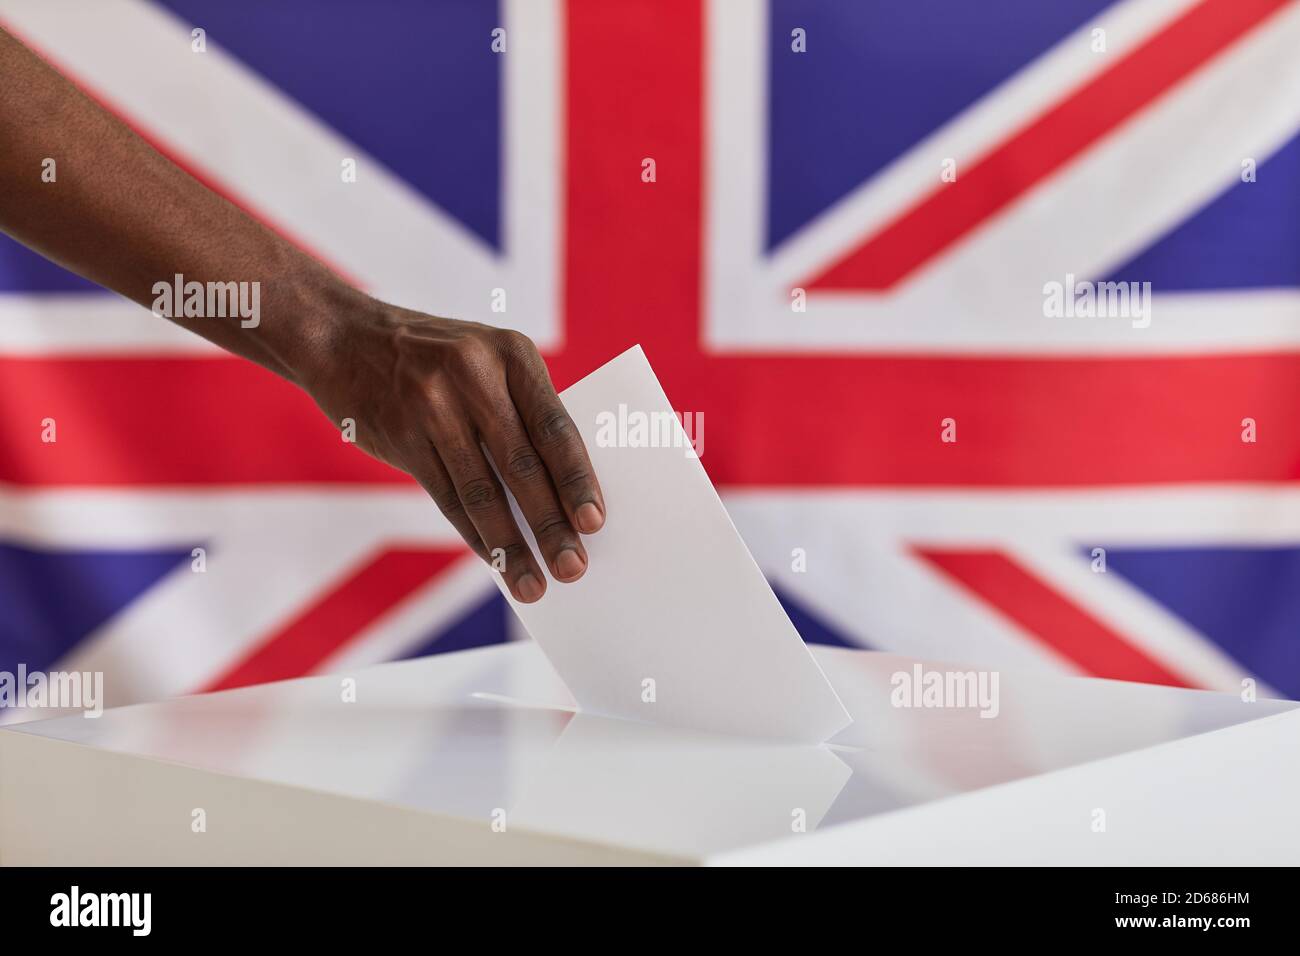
(632, 273)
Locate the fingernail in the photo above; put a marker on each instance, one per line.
(589, 518)
(529, 588)
(568, 565)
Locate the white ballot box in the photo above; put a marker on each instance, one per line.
(478, 758)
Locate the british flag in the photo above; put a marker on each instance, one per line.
(840, 262)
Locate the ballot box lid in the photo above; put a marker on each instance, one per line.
(490, 737)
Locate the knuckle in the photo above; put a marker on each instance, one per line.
(577, 480)
(552, 525)
(479, 495)
(523, 463)
(512, 551)
(553, 425)
(516, 344)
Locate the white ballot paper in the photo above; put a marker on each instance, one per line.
(673, 623)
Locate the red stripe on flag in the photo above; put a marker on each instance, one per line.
(809, 421)
(1049, 617)
(168, 421)
(632, 260)
(1019, 423)
(1045, 145)
(329, 622)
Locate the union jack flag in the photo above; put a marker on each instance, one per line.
(840, 262)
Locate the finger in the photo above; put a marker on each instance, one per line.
(427, 468)
(526, 476)
(485, 503)
(556, 438)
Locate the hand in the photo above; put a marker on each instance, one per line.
(424, 392)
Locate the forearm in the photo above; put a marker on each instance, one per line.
(423, 393)
(127, 218)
